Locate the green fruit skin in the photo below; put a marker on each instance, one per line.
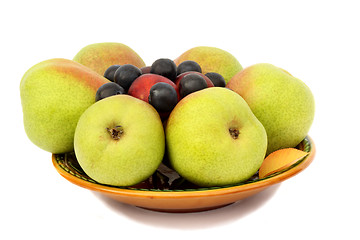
(134, 156)
(282, 103)
(54, 93)
(100, 56)
(200, 147)
(212, 59)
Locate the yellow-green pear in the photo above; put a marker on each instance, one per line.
(119, 141)
(282, 103)
(54, 93)
(100, 56)
(212, 59)
(214, 139)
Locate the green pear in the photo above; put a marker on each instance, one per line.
(119, 141)
(212, 59)
(214, 139)
(100, 56)
(54, 93)
(282, 103)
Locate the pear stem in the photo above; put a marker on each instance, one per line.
(234, 132)
(115, 132)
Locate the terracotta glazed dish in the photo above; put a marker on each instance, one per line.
(181, 200)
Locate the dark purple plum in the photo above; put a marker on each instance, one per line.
(164, 67)
(107, 90)
(188, 66)
(191, 83)
(109, 73)
(216, 78)
(126, 74)
(163, 97)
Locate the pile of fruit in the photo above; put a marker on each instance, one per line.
(162, 84)
(200, 118)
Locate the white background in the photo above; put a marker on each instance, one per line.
(316, 41)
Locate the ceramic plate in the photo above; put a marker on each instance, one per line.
(181, 200)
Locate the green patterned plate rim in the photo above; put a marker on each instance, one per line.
(66, 162)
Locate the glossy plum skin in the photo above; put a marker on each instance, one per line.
(164, 67)
(126, 74)
(110, 72)
(107, 90)
(140, 88)
(216, 78)
(208, 81)
(191, 83)
(163, 97)
(188, 66)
